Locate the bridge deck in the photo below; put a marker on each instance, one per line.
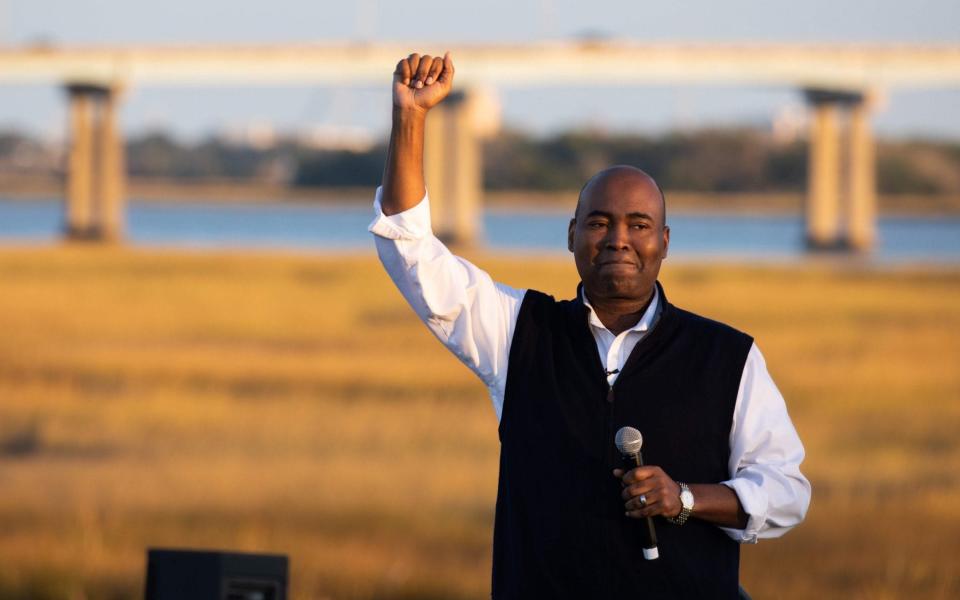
(805, 65)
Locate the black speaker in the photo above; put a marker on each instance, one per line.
(211, 575)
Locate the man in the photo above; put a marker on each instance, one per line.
(565, 376)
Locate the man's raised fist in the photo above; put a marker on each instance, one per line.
(421, 82)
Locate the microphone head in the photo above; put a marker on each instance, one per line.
(628, 441)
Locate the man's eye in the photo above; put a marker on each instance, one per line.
(640, 226)
(596, 225)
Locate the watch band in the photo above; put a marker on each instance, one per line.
(684, 510)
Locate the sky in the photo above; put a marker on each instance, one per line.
(194, 112)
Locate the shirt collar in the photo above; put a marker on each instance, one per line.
(645, 322)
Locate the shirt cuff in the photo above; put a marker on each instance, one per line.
(411, 224)
(754, 501)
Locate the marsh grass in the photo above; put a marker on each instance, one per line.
(294, 404)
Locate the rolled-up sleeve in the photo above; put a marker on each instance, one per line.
(765, 457)
(472, 315)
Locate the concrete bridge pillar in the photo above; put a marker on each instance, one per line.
(95, 174)
(862, 205)
(453, 168)
(79, 192)
(841, 178)
(823, 177)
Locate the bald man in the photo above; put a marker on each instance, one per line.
(722, 454)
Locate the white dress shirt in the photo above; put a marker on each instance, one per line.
(475, 318)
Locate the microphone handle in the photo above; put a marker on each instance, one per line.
(650, 551)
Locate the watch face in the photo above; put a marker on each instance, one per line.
(686, 498)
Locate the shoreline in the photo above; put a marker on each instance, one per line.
(680, 202)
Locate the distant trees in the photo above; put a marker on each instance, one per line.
(919, 167)
(21, 154)
(160, 155)
(341, 167)
(709, 160)
(712, 160)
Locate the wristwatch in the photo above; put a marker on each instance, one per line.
(686, 501)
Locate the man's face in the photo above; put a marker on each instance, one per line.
(618, 236)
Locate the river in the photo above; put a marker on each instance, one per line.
(342, 227)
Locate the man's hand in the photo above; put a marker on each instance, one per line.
(660, 493)
(713, 502)
(421, 82)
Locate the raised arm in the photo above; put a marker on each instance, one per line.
(470, 313)
(419, 84)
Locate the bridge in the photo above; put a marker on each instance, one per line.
(838, 80)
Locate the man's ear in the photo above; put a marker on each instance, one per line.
(570, 229)
(666, 240)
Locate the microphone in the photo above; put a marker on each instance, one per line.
(628, 441)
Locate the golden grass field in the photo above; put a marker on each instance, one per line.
(293, 404)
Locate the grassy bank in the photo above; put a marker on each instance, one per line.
(294, 404)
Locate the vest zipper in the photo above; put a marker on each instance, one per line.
(609, 574)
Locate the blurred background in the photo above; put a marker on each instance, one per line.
(198, 347)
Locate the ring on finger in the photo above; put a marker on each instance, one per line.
(643, 499)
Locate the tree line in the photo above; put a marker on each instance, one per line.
(709, 160)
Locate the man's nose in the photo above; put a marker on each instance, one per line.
(617, 238)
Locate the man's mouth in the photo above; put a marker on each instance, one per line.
(617, 264)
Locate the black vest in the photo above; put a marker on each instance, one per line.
(560, 526)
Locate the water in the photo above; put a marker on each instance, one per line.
(343, 227)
